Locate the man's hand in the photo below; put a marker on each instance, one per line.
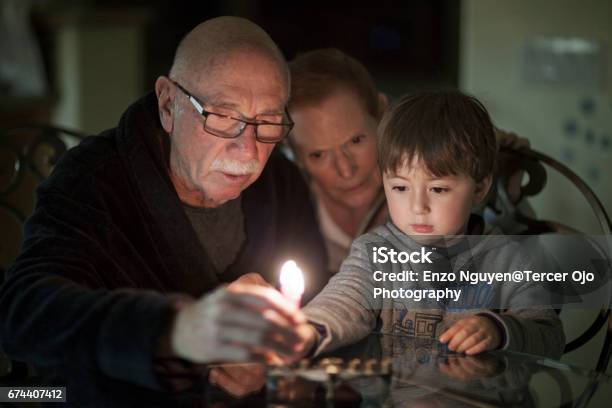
(472, 335)
(241, 380)
(252, 278)
(241, 323)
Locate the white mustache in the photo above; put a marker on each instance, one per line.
(235, 167)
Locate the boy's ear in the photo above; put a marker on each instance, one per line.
(482, 189)
(383, 102)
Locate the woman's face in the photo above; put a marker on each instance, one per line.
(335, 142)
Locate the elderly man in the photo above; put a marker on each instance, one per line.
(136, 228)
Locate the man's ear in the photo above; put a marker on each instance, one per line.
(383, 102)
(166, 93)
(482, 188)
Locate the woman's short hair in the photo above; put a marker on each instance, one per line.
(317, 74)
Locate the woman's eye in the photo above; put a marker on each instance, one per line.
(356, 139)
(399, 188)
(439, 190)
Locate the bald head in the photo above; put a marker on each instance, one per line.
(207, 46)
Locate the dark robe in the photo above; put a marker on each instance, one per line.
(109, 243)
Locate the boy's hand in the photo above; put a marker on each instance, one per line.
(472, 335)
(307, 335)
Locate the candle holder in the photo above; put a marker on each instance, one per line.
(331, 379)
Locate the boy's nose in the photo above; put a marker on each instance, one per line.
(419, 204)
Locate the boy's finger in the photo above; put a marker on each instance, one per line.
(450, 332)
(459, 337)
(469, 341)
(478, 348)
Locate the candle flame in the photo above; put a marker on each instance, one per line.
(292, 280)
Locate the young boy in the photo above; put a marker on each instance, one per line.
(437, 155)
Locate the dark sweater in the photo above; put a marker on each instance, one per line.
(109, 241)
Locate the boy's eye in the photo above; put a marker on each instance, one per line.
(439, 190)
(399, 188)
(356, 139)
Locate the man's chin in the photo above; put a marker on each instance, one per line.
(225, 193)
(228, 194)
(224, 198)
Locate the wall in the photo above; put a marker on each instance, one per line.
(493, 35)
(569, 120)
(99, 64)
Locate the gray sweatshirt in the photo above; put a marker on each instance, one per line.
(348, 310)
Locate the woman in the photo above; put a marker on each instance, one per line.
(336, 109)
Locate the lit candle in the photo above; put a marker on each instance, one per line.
(292, 282)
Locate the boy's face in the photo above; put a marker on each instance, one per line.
(424, 205)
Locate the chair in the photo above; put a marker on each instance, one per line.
(27, 156)
(531, 162)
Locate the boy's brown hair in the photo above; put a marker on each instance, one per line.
(317, 74)
(450, 132)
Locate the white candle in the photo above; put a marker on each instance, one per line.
(292, 282)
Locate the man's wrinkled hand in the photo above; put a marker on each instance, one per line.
(238, 324)
(251, 278)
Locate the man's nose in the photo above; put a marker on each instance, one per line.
(345, 164)
(246, 142)
(419, 203)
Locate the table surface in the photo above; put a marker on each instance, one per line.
(423, 374)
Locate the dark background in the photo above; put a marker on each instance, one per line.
(405, 44)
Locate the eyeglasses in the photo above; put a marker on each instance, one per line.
(229, 127)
